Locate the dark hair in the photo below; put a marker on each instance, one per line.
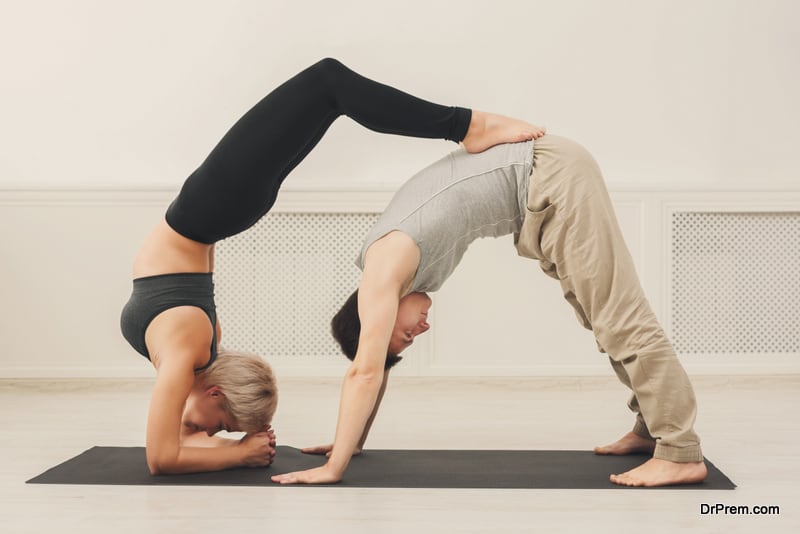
(346, 327)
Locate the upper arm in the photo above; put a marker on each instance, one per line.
(164, 419)
(389, 268)
(178, 341)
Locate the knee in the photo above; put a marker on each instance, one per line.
(328, 67)
(329, 76)
(578, 156)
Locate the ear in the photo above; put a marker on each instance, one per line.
(214, 391)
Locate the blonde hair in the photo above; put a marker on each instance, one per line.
(246, 380)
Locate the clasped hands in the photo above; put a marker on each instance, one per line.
(259, 448)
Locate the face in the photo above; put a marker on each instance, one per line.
(204, 412)
(412, 320)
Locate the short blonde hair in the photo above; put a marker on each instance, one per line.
(246, 380)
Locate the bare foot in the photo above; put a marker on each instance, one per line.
(630, 443)
(488, 129)
(657, 472)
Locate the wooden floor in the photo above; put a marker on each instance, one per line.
(750, 428)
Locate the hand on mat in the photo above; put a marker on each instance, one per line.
(259, 448)
(324, 449)
(319, 475)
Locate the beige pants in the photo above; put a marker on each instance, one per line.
(570, 227)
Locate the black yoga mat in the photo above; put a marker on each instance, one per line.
(380, 469)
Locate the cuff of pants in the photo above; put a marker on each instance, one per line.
(691, 453)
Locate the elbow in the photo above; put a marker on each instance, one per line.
(365, 374)
(155, 468)
(161, 465)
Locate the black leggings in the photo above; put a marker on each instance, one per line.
(238, 182)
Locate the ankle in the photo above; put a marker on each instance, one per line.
(477, 124)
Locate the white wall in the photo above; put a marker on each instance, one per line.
(99, 93)
(96, 95)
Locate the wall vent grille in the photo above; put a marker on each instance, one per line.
(279, 283)
(736, 282)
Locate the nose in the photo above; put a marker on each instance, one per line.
(421, 328)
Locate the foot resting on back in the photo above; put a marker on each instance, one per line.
(488, 129)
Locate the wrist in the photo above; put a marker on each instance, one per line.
(241, 454)
(336, 465)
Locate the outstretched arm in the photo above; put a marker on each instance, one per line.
(326, 449)
(389, 267)
(374, 411)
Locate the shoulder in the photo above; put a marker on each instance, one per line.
(395, 254)
(184, 333)
(395, 242)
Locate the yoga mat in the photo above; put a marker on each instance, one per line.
(380, 469)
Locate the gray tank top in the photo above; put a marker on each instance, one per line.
(456, 200)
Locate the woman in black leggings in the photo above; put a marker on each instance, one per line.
(171, 317)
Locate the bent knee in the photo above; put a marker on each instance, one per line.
(328, 67)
